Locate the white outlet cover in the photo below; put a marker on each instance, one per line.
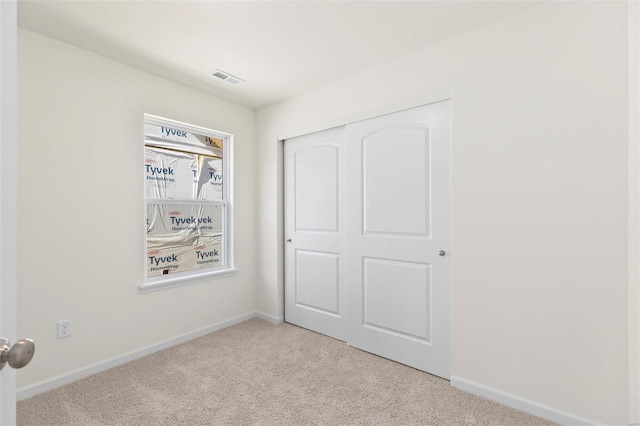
(64, 328)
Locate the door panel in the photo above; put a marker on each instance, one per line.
(316, 188)
(399, 211)
(318, 281)
(396, 298)
(314, 222)
(396, 182)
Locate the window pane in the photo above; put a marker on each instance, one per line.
(184, 220)
(171, 257)
(208, 252)
(170, 174)
(184, 237)
(210, 179)
(174, 138)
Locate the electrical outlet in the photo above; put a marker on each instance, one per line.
(64, 328)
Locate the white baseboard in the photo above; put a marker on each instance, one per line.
(270, 318)
(522, 404)
(81, 373)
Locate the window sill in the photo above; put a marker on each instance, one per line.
(163, 283)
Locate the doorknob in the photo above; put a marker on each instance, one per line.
(441, 253)
(289, 240)
(17, 355)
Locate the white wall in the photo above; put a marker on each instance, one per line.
(81, 210)
(539, 197)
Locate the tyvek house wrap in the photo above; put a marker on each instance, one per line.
(183, 221)
(169, 174)
(183, 238)
(163, 136)
(210, 179)
(197, 252)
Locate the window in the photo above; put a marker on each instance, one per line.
(187, 203)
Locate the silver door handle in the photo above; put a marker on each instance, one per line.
(289, 240)
(17, 355)
(441, 253)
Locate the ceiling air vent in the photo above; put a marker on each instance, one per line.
(223, 75)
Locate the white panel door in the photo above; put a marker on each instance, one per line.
(315, 292)
(399, 215)
(8, 198)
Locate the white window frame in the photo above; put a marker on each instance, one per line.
(162, 282)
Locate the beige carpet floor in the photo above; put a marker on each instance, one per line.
(257, 373)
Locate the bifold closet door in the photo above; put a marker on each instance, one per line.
(368, 216)
(314, 198)
(399, 237)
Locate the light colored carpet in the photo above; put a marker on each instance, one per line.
(257, 373)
